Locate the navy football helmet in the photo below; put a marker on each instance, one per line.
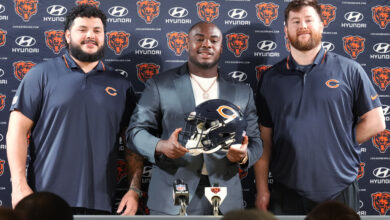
(216, 124)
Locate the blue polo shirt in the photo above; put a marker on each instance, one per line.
(313, 111)
(77, 120)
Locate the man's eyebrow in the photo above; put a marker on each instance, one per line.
(202, 35)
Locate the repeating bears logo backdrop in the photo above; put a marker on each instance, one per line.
(147, 37)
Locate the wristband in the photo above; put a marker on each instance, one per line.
(138, 191)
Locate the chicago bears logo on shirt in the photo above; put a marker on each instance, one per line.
(2, 101)
(361, 170)
(3, 38)
(332, 83)
(237, 43)
(148, 10)
(328, 13)
(177, 42)
(267, 12)
(118, 41)
(353, 45)
(381, 15)
(121, 170)
(2, 162)
(88, 2)
(381, 77)
(26, 8)
(21, 68)
(111, 91)
(146, 71)
(381, 202)
(260, 69)
(55, 40)
(382, 141)
(208, 11)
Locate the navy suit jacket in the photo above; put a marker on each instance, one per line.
(161, 109)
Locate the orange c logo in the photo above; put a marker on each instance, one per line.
(111, 91)
(223, 114)
(332, 83)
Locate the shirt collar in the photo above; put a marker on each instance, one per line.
(292, 65)
(70, 63)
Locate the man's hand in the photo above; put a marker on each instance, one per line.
(130, 201)
(262, 200)
(19, 192)
(237, 154)
(171, 147)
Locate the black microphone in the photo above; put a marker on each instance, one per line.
(181, 195)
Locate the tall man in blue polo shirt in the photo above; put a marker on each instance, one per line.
(315, 107)
(74, 108)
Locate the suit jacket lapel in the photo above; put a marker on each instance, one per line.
(226, 90)
(184, 91)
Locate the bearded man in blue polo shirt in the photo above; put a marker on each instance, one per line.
(74, 109)
(315, 108)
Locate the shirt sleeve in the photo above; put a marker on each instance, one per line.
(28, 97)
(366, 98)
(263, 112)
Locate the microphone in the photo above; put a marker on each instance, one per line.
(181, 196)
(215, 195)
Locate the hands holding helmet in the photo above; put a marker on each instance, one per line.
(171, 147)
(214, 125)
(238, 153)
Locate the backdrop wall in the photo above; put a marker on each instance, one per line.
(141, 44)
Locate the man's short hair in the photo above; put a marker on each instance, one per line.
(296, 5)
(248, 214)
(44, 206)
(9, 214)
(202, 22)
(332, 210)
(84, 10)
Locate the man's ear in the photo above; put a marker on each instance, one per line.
(67, 36)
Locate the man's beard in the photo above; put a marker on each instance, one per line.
(79, 54)
(313, 41)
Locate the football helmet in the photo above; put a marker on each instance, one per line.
(215, 124)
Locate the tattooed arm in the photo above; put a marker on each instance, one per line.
(129, 202)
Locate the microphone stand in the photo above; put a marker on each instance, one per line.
(216, 203)
(183, 208)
